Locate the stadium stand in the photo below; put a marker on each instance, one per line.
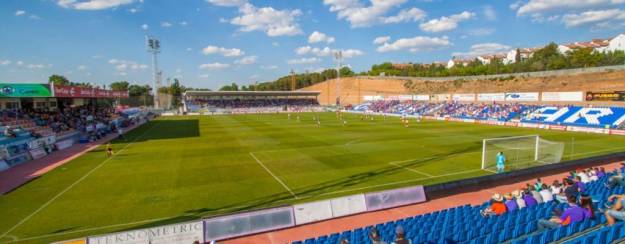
(598, 117)
(466, 224)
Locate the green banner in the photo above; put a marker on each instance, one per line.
(24, 90)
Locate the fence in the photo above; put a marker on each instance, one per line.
(242, 224)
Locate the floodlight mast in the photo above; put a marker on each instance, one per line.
(339, 59)
(154, 47)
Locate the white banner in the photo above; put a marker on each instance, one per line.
(64, 144)
(422, 97)
(176, 233)
(348, 205)
(563, 96)
(313, 211)
(442, 97)
(393, 198)
(464, 97)
(373, 98)
(588, 129)
(37, 153)
(3, 165)
(522, 96)
(404, 97)
(491, 97)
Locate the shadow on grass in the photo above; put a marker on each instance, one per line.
(162, 130)
(308, 191)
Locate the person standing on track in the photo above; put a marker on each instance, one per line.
(501, 160)
(109, 150)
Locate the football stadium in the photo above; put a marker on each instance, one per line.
(520, 143)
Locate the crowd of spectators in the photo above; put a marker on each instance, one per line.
(252, 103)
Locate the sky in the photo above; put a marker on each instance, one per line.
(210, 43)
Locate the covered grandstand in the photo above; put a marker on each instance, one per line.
(249, 101)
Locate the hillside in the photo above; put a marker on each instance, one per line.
(354, 88)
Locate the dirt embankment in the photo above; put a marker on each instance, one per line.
(353, 89)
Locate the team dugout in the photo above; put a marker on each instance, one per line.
(242, 101)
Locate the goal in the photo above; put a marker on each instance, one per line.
(520, 151)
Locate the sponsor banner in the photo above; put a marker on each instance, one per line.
(312, 212)
(85, 92)
(613, 132)
(440, 118)
(557, 127)
(429, 117)
(176, 233)
(491, 97)
(605, 96)
(229, 226)
(513, 124)
(394, 198)
(422, 97)
(391, 98)
(404, 97)
(348, 205)
(17, 159)
(528, 125)
(588, 129)
(75, 241)
(64, 144)
(464, 97)
(3, 165)
(468, 120)
(373, 98)
(522, 96)
(442, 97)
(37, 153)
(563, 96)
(25, 90)
(40, 142)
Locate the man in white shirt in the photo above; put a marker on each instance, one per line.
(546, 194)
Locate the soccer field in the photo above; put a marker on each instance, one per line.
(175, 169)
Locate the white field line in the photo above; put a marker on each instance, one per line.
(353, 141)
(73, 184)
(273, 175)
(492, 171)
(410, 169)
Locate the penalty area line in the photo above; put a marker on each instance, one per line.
(273, 175)
(72, 185)
(410, 169)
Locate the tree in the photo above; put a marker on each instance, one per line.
(176, 91)
(59, 80)
(119, 86)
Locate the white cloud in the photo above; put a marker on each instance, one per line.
(303, 50)
(267, 19)
(227, 3)
(359, 15)
(183, 23)
(20, 12)
(350, 53)
(489, 13)
(304, 61)
(326, 51)
(203, 76)
(226, 52)
(542, 6)
(165, 24)
(35, 17)
(132, 10)
(92, 4)
(415, 44)
(320, 37)
(5, 62)
(246, 60)
(446, 23)
(381, 39)
(269, 67)
(35, 66)
(406, 15)
(144, 27)
(591, 17)
(124, 65)
(81, 67)
(214, 66)
(483, 49)
(480, 31)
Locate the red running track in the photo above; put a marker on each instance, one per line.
(328, 227)
(19, 175)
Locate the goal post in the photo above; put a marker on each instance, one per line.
(520, 151)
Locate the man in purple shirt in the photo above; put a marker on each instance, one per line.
(511, 204)
(571, 215)
(529, 199)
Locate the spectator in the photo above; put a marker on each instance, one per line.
(581, 186)
(535, 194)
(615, 180)
(538, 185)
(600, 172)
(530, 201)
(616, 212)
(586, 203)
(399, 236)
(556, 187)
(511, 204)
(582, 176)
(497, 207)
(518, 196)
(546, 194)
(571, 188)
(571, 215)
(374, 236)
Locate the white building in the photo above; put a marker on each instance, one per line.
(617, 43)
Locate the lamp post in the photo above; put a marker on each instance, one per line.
(339, 59)
(154, 47)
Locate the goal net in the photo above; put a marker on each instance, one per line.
(520, 152)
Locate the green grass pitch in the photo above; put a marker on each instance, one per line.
(176, 169)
